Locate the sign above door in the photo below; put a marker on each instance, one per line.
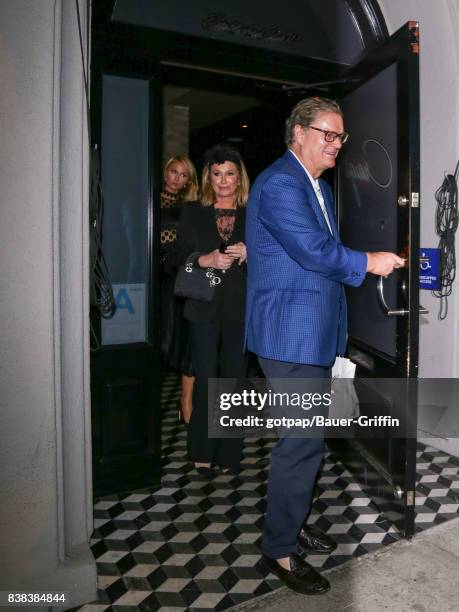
(335, 31)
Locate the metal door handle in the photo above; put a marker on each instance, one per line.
(400, 312)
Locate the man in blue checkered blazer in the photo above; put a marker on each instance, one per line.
(296, 318)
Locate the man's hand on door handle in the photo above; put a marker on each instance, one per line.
(382, 263)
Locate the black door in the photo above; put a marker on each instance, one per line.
(125, 361)
(378, 208)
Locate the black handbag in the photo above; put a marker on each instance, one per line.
(195, 282)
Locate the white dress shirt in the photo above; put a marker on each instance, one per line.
(318, 192)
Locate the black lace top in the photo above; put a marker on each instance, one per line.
(168, 199)
(203, 229)
(170, 214)
(225, 219)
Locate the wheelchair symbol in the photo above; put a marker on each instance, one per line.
(424, 263)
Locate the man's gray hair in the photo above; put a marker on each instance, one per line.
(305, 112)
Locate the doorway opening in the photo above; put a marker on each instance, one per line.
(143, 119)
(246, 112)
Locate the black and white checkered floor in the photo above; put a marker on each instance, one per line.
(193, 544)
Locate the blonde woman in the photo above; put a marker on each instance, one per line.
(180, 186)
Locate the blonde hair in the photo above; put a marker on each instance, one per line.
(306, 111)
(219, 155)
(189, 192)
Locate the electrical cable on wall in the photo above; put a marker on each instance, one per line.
(446, 221)
(101, 292)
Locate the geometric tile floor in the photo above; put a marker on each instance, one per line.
(192, 544)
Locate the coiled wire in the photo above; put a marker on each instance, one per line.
(446, 220)
(101, 292)
(100, 286)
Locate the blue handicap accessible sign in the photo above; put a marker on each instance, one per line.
(429, 269)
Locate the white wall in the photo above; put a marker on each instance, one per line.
(45, 478)
(439, 93)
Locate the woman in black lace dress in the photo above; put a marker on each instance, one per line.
(215, 227)
(180, 186)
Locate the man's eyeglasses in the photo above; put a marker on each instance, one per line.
(331, 136)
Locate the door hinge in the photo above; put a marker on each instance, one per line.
(415, 199)
(410, 498)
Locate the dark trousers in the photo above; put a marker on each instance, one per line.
(216, 351)
(295, 463)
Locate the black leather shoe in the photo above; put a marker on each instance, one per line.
(301, 578)
(312, 540)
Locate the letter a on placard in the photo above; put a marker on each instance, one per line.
(123, 301)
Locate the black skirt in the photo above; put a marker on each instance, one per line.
(175, 345)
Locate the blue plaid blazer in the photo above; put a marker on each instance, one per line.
(296, 305)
